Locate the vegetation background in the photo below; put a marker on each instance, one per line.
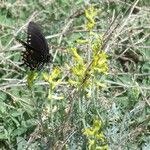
(71, 104)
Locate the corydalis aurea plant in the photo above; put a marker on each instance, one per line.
(84, 70)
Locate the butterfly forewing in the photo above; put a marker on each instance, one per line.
(36, 39)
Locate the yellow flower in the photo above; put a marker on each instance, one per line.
(31, 77)
(100, 63)
(100, 137)
(88, 132)
(90, 13)
(95, 136)
(91, 144)
(77, 57)
(90, 25)
(53, 82)
(50, 78)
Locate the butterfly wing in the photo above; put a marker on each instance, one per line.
(37, 40)
(37, 52)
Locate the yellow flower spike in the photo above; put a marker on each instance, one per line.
(100, 137)
(50, 78)
(91, 144)
(55, 73)
(101, 67)
(31, 77)
(88, 132)
(95, 136)
(78, 70)
(53, 82)
(90, 13)
(100, 63)
(103, 55)
(77, 57)
(90, 26)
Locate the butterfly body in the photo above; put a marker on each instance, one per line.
(37, 51)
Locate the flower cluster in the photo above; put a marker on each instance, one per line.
(90, 13)
(95, 136)
(54, 80)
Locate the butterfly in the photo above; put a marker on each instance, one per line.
(36, 52)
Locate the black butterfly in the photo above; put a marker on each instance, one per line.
(37, 51)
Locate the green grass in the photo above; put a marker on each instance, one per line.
(32, 118)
